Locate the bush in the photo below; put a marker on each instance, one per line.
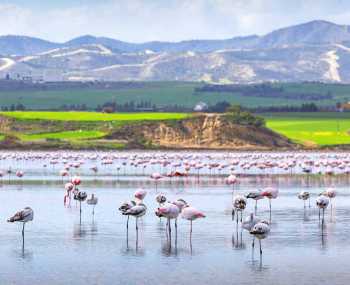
(238, 116)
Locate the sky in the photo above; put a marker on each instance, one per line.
(163, 20)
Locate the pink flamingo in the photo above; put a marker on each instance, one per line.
(191, 214)
(156, 176)
(270, 193)
(330, 193)
(140, 194)
(170, 212)
(68, 187)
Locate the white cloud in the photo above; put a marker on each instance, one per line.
(173, 20)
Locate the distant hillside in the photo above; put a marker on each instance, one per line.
(314, 51)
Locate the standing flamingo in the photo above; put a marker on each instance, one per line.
(249, 222)
(270, 193)
(322, 203)
(239, 204)
(304, 195)
(140, 194)
(93, 200)
(124, 208)
(156, 176)
(170, 212)
(330, 193)
(260, 231)
(23, 216)
(231, 180)
(81, 197)
(161, 199)
(255, 195)
(191, 214)
(68, 187)
(136, 211)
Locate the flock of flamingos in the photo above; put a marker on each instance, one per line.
(182, 166)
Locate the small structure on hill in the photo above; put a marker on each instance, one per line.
(200, 107)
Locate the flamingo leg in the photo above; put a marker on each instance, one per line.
(233, 214)
(322, 219)
(80, 212)
(127, 223)
(260, 247)
(191, 231)
(253, 243)
(270, 209)
(319, 214)
(23, 233)
(256, 206)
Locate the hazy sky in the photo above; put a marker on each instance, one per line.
(170, 20)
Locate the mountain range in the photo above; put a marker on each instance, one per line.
(313, 51)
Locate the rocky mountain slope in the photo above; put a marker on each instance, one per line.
(315, 51)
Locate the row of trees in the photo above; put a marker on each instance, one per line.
(13, 107)
(145, 106)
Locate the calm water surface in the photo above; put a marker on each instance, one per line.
(58, 250)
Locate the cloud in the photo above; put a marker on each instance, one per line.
(172, 20)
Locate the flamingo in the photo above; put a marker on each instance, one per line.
(304, 195)
(180, 203)
(161, 199)
(191, 214)
(81, 197)
(76, 180)
(260, 231)
(270, 193)
(136, 211)
(330, 193)
(169, 211)
(22, 216)
(68, 187)
(19, 173)
(93, 200)
(249, 222)
(322, 203)
(239, 204)
(255, 195)
(140, 194)
(124, 208)
(156, 176)
(231, 180)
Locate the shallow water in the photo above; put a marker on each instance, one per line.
(58, 250)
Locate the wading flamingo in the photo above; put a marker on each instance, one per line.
(260, 231)
(93, 200)
(23, 216)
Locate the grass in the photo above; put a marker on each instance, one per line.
(93, 116)
(167, 93)
(322, 129)
(70, 135)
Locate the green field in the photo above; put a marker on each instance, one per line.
(168, 93)
(312, 128)
(69, 135)
(93, 116)
(88, 128)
